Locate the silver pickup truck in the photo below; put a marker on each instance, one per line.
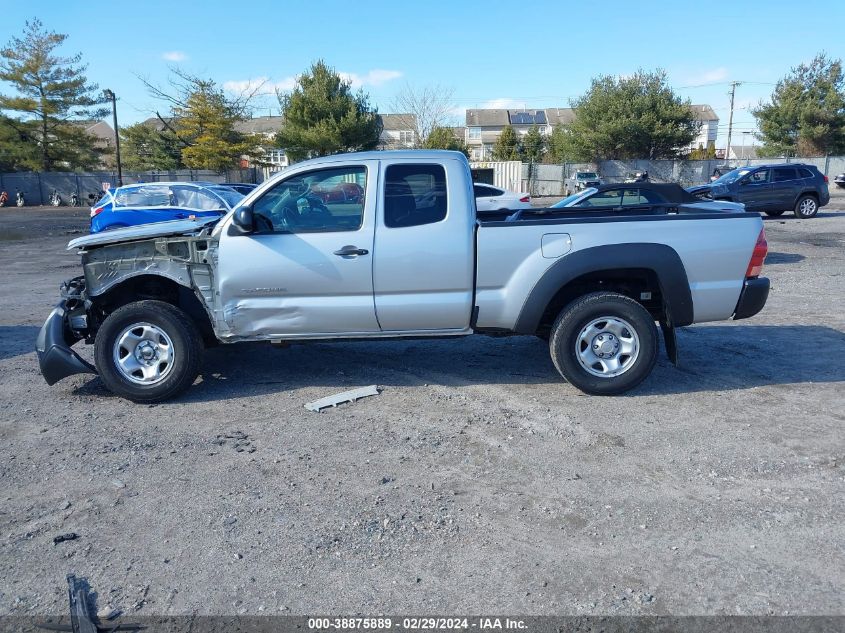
(389, 245)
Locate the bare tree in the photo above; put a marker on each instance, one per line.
(424, 108)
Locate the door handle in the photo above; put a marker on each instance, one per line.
(351, 251)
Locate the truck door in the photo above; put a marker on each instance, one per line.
(307, 269)
(424, 263)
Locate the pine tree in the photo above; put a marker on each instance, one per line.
(533, 145)
(507, 146)
(444, 138)
(806, 113)
(323, 116)
(52, 93)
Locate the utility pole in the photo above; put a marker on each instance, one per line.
(734, 84)
(110, 95)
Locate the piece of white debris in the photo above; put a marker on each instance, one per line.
(107, 613)
(340, 398)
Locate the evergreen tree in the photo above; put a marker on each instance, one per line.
(631, 117)
(145, 148)
(806, 114)
(444, 138)
(533, 145)
(322, 116)
(52, 93)
(507, 146)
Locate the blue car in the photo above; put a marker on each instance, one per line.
(151, 202)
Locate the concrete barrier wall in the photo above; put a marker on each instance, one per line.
(38, 186)
(548, 180)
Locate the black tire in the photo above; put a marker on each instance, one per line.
(775, 214)
(566, 335)
(806, 207)
(184, 345)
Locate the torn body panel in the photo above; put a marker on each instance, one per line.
(188, 261)
(173, 258)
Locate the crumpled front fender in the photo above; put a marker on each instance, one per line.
(55, 357)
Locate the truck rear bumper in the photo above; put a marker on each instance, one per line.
(752, 298)
(55, 357)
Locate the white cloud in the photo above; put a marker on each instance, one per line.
(708, 76)
(174, 56)
(375, 77)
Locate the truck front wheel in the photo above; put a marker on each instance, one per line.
(604, 343)
(148, 351)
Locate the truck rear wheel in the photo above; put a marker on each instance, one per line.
(604, 343)
(148, 351)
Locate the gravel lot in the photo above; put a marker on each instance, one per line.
(477, 481)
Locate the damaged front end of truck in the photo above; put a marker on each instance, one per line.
(172, 261)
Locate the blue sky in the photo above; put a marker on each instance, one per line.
(492, 54)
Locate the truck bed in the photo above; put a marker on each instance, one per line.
(712, 247)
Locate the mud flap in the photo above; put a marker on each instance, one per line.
(55, 357)
(671, 342)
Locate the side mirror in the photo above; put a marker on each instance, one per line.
(243, 220)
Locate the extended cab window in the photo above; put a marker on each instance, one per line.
(414, 195)
(324, 200)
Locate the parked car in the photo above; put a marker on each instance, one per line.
(581, 180)
(771, 189)
(411, 260)
(644, 196)
(490, 198)
(339, 192)
(840, 180)
(719, 171)
(146, 203)
(244, 188)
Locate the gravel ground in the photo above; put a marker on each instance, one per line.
(477, 481)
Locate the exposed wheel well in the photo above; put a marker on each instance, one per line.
(157, 288)
(631, 282)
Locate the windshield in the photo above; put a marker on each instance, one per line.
(731, 176)
(231, 197)
(584, 175)
(575, 197)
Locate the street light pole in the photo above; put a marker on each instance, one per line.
(110, 95)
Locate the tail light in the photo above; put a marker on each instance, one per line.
(97, 210)
(826, 180)
(761, 248)
(525, 199)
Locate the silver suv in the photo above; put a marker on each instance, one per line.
(581, 180)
